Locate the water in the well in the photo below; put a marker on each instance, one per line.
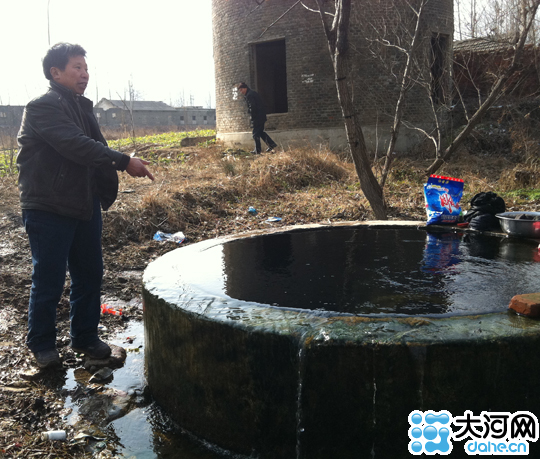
(362, 270)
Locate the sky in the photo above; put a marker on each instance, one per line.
(163, 47)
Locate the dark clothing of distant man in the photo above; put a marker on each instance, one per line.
(67, 173)
(257, 113)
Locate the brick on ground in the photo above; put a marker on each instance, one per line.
(527, 304)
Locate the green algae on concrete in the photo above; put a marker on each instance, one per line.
(270, 382)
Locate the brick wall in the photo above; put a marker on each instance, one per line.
(311, 92)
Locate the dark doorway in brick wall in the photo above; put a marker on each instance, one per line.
(271, 75)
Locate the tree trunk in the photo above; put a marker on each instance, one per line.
(355, 138)
(338, 46)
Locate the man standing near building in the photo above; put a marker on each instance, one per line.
(257, 112)
(66, 175)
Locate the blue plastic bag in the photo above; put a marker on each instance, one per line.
(442, 195)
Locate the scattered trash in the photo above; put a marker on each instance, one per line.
(176, 237)
(442, 195)
(106, 309)
(54, 435)
(273, 219)
(252, 210)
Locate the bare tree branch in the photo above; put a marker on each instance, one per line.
(404, 87)
(259, 4)
(314, 11)
(278, 19)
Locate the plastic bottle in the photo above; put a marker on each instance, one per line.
(54, 435)
(178, 237)
(106, 309)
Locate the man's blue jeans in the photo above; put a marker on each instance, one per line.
(57, 243)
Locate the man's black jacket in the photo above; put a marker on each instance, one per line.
(256, 107)
(63, 158)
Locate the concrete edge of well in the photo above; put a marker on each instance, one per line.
(314, 328)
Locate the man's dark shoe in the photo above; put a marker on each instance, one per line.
(269, 149)
(48, 359)
(97, 350)
(255, 152)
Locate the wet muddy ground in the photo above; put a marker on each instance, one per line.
(207, 196)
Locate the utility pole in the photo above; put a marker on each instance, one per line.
(48, 23)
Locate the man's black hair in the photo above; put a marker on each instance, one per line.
(243, 85)
(58, 56)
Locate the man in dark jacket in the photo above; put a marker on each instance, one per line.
(66, 175)
(257, 112)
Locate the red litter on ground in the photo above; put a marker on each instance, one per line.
(106, 309)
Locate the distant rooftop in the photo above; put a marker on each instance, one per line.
(483, 44)
(138, 105)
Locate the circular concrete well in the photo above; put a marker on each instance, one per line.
(318, 342)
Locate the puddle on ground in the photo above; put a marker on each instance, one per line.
(135, 425)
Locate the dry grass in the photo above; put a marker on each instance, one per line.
(124, 132)
(208, 194)
(215, 185)
(206, 191)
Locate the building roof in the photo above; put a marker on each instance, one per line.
(138, 105)
(483, 44)
(194, 109)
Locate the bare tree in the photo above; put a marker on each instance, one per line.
(180, 100)
(336, 28)
(525, 18)
(334, 17)
(209, 100)
(457, 10)
(409, 33)
(128, 101)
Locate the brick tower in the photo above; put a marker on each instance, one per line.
(278, 47)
